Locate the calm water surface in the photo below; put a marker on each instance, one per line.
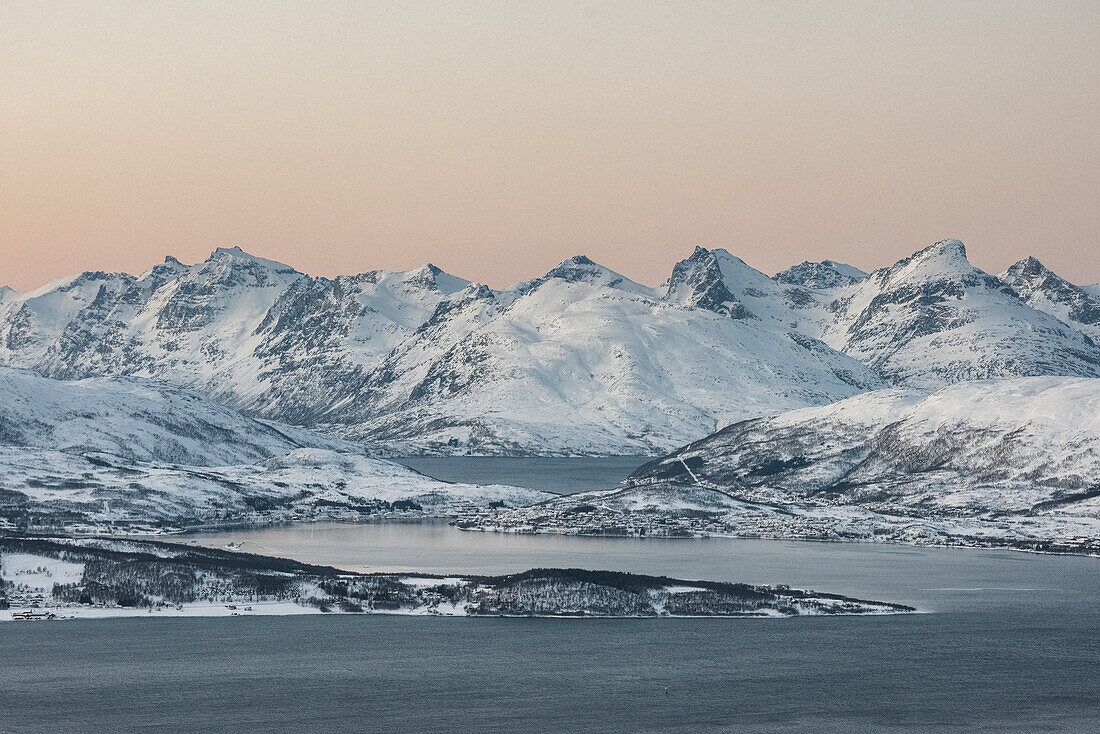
(558, 475)
(1012, 644)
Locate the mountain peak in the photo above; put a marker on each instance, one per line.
(576, 266)
(582, 269)
(434, 277)
(943, 248)
(824, 274)
(236, 255)
(1029, 267)
(946, 258)
(699, 281)
(1043, 289)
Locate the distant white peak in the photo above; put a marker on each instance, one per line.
(738, 274)
(1028, 269)
(824, 274)
(949, 249)
(581, 268)
(733, 267)
(473, 292)
(236, 254)
(944, 258)
(169, 267)
(1042, 288)
(441, 280)
(845, 269)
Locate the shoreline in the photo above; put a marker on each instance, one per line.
(291, 609)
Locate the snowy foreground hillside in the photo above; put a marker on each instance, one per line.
(580, 360)
(57, 578)
(129, 454)
(1000, 462)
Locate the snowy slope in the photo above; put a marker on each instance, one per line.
(55, 489)
(1013, 461)
(133, 419)
(133, 452)
(1009, 445)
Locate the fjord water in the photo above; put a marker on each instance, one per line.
(1011, 643)
(560, 475)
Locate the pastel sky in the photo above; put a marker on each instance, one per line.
(497, 138)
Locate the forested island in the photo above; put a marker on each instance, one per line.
(60, 577)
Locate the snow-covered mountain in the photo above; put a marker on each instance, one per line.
(584, 359)
(132, 452)
(1012, 461)
(994, 446)
(933, 319)
(255, 334)
(579, 360)
(824, 274)
(1044, 290)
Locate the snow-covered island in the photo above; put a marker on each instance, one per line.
(44, 577)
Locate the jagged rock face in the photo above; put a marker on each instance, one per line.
(821, 275)
(1042, 289)
(1003, 446)
(933, 319)
(698, 282)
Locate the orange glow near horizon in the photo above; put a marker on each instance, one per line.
(495, 139)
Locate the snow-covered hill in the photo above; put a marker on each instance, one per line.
(1013, 461)
(578, 361)
(137, 420)
(130, 452)
(994, 446)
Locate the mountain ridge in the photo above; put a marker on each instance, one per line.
(580, 360)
